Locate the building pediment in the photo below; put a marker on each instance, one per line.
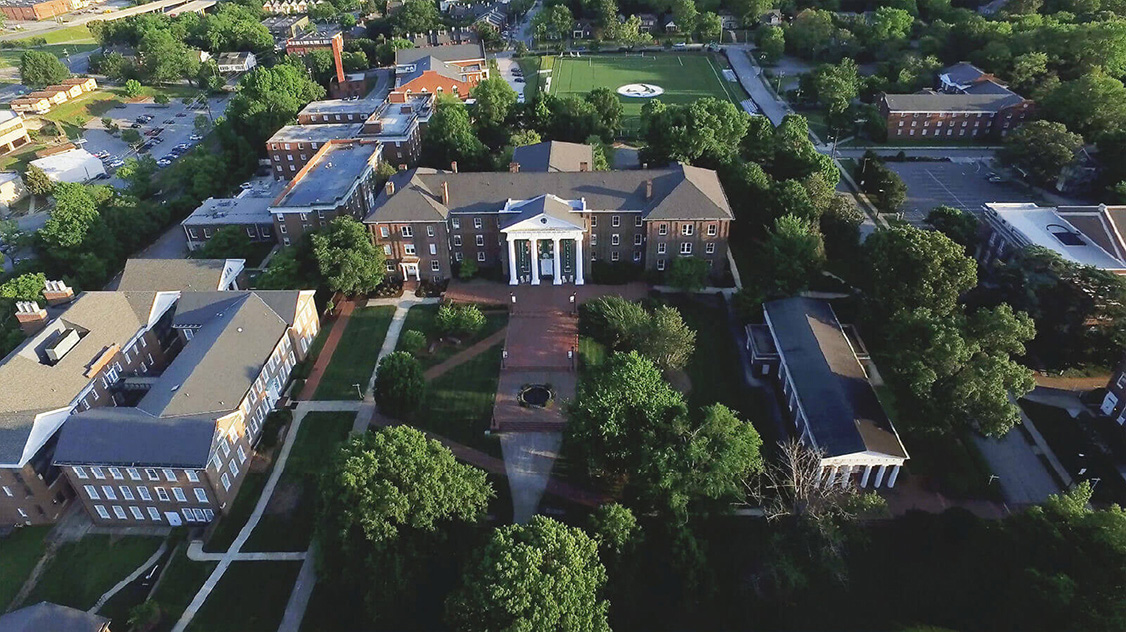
(543, 213)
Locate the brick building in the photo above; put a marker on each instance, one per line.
(448, 68)
(533, 225)
(30, 10)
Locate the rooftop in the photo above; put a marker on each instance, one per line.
(397, 119)
(177, 275)
(1058, 231)
(330, 175)
(252, 206)
(45, 616)
(447, 53)
(315, 133)
(843, 413)
(554, 156)
(941, 102)
(283, 22)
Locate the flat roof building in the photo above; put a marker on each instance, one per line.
(1084, 235)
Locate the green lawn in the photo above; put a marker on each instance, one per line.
(685, 77)
(424, 318)
(19, 552)
(233, 521)
(354, 359)
(179, 585)
(71, 34)
(81, 571)
(459, 403)
(12, 56)
(287, 524)
(250, 597)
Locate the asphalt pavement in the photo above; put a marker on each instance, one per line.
(964, 185)
(750, 77)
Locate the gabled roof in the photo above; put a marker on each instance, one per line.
(940, 102)
(678, 192)
(166, 275)
(962, 73)
(549, 209)
(46, 616)
(553, 155)
(431, 63)
(844, 415)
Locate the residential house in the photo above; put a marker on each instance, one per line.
(1085, 235)
(820, 365)
(236, 62)
(583, 29)
(648, 22)
(12, 132)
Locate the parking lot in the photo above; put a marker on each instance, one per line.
(175, 121)
(963, 185)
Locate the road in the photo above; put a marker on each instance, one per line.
(750, 76)
(522, 30)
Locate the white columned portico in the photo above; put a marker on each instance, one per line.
(579, 259)
(534, 253)
(558, 279)
(894, 475)
(867, 473)
(880, 475)
(512, 279)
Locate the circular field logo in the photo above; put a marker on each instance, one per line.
(640, 90)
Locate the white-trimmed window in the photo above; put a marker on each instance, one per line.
(102, 513)
(115, 473)
(429, 230)
(661, 248)
(144, 492)
(687, 229)
(134, 474)
(179, 494)
(457, 241)
(383, 231)
(662, 229)
(241, 455)
(97, 472)
(137, 515)
(435, 266)
(433, 249)
(152, 475)
(637, 239)
(615, 239)
(480, 240)
(1121, 383)
(636, 256)
(193, 475)
(594, 239)
(217, 462)
(710, 248)
(660, 264)
(199, 515)
(477, 223)
(79, 472)
(233, 466)
(162, 494)
(408, 249)
(615, 221)
(154, 513)
(119, 511)
(456, 223)
(407, 231)
(593, 221)
(201, 494)
(685, 247)
(188, 515)
(226, 447)
(614, 255)
(226, 480)
(91, 492)
(169, 475)
(109, 492)
(208, 515)
(713, 230)
(637, 220)
(126, 492)
(7, 491)
(480, 255)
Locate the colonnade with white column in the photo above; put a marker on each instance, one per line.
(842, 475)
(533, 238)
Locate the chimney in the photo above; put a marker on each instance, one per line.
(453, 166)
(57, 293)
(648, 189)
(584, 166)
(31, 317)
(390, 188)
(446, 193)
(513, 167)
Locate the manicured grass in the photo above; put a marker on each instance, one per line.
(81, 571)
(459, 403)
(354, 359)
(424, 318)
(530, 66)
(70, 34)
(19, 552)
(290, 530)
(19, 159)
(243, 505)
(714, 368)
(12, 56)
(178, 586)
(591, 352)
(685, 77)
(250, 597)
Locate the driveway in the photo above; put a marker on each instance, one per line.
(507, 68)
(750, 76)
(1023, 477)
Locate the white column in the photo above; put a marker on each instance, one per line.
(534, 255)
(867, 473)
(846, 479)
(832, 477)
(512, 280)
(558, 280)
(579, 260)
(894, 475)
(880, 475)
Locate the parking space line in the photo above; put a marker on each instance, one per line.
(961, 204)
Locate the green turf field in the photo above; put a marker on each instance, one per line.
(685, 77)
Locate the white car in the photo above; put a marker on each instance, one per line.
(163, 162)
(245, 185)
(195, 137)
(116, 162)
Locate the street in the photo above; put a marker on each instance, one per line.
(750, 77)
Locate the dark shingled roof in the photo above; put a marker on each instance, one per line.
(113, 435)
(452, 52)
(553, 156)
(51, 617)
(939, 102)
(167, 275)
(841, 407)
(962, 73)
(679, 193)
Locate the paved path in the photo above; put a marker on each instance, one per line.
(528, 459)
(232, 554)
(302, 590)
(467, 354)
(751, 78)
(119, 586)
(196, 554)
(343, 314)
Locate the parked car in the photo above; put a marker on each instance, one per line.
(136, 126)
(995, 178)
(140, 119)
(180, 114)
(245, 185)
(169, 121)
(195, 137)
(102, 154)
(157, 139)
(116, 162)
(518, 80)
(163, 162)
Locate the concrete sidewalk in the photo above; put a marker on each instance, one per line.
(196, 554)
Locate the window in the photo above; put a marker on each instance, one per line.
(435, 266)
(115, 473)
(477, 223)
(153, 476)
(637, 239)
(241, 455)
(408, 249)
(169, 476)
(686, 229)
(387, 250)
(615, 221)
(225, 446)
(137, 514)
(199, 515)
(189, 516)
(594, 239)
(226, 480)
(193, 475)
(201, 494)
(154, 514)
(636, 256)
(458, 256)
(662, 229)
(713, 230)
(119, 511)
(91, 492)
(1121, 383)
(637, 221)
(614, 255)
(102, 513)
(162, 494)
(109, 492)
(429, 230)
(383, 231)
(710, 248)
(126, 492)
(97, 472)
(480, 255)
(407, 231)
(686, 248)
(80, 472)
(593, 221)
(134, 474)
(456, 223)
(144, 492)
(457, 240)
(179, 494)
(208, 514)
(480, 239)
(660, 264)
(661, 248)
(233, 467)
(218, 464)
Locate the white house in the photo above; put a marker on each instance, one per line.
(75, 165)
(236, 62)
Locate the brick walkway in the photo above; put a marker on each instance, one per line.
(1071, 383)
(465, 355)
(343, 314)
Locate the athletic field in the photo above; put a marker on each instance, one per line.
(684, 77)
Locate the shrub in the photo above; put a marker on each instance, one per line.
(161, 99)
(133, 88)
(412, 341)
(461, 320)
(688, 273)
(660, 335)
(399, 384)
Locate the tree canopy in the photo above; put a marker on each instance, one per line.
(40, 68)
(347, 259)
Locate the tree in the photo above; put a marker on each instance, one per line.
(706, 127)
(201, 124)
(347, 22)
(40, 68)
(37, 182)
(1092, 105)
(709, 26)
(165, 58)
(460, 320)
(810, 33)
(668, 341)
(837, 85)
(144, 616)
(133, 88)
(553, 23)
(26, 287)
(958, 225)
(684, 14)
(450, 137)
(229, 242)
(629, 33)
(659, 334)
(347, 259)
(495, 99)
(138, 174)
(1042, 149)
(688, 274)
(525, 137)
(608, 109)
(387, 499)
(269, 98)
(884, 186)
(771, 43)
(542, 575)
(412, 341)
(910, 268)
(323, 12)
(415, 16)
(399, 385)
(161, 99)
(615, 527)
(132, 137)
(840, 228)
(794, 253)
(890, 24)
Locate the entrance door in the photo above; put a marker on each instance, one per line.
(547, 267)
